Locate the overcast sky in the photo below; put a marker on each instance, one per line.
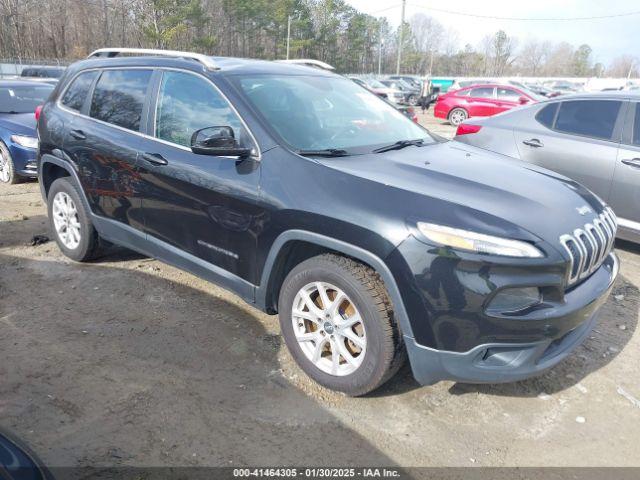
(607, 37)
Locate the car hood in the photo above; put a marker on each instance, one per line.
(19, 123)
(462, 186)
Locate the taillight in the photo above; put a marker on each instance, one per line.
(464, 129)
(38, 110)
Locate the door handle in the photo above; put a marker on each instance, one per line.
(633, 162)
(78, 134)
(534, 142)
(155, 158)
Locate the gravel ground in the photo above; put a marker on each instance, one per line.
(127, 361)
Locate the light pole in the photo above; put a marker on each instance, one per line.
(380, 49)
(400, 37)
(288, 34)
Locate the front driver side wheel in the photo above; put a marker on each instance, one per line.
(338, 323)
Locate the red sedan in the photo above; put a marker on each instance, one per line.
(480, 101)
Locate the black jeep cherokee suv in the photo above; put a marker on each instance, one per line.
(311, 198)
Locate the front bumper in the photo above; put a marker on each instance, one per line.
(24, 160)
(498, 362)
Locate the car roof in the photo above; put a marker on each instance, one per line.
(491, 85)
(610, 95)
(22, 83)
(224, 65)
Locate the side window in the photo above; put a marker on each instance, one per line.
(482, 93)
(636, 126)
(119, 96)
(508, 95)
(547, 114)
(187, 103)
(592, 118)
(77, 92)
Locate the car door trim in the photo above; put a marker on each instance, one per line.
(257, 157)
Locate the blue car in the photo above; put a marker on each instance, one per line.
(18, 138)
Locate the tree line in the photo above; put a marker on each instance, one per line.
(328, 30)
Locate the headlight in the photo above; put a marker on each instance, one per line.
(29, 142)
(477, 242)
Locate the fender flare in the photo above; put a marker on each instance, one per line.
(342, 247)
(48, 158)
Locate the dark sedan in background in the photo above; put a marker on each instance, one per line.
(591, 138)
(18, 138)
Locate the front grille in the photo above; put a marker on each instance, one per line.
(588, 246)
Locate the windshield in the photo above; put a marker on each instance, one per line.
(312, 113)
(23, 99)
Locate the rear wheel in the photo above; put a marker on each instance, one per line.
(457, 116)
(337, 321)
(412, 100)
(7, 169)
(70, 222)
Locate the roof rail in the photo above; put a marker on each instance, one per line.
(310, 62)
(114, 52)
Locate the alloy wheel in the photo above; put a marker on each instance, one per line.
(329, 328)
(457, 117)
(4, 168)
(66, 221)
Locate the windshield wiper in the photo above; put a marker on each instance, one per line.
(399, 145)
(326, 152)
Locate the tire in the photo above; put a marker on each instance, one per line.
(379, 351)
(7, 169)
(457, 116)
(412, 100)
(86, 242)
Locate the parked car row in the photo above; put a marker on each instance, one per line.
(399, 89)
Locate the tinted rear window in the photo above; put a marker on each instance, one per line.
(547, 114)
(119, 96)
(77, 92)
(591, 118)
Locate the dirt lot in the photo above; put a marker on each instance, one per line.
(127, 361)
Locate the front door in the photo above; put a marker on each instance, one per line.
(206, 206)
(507, 98)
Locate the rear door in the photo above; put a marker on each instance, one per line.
(206, 206)
(577, 138)
(104, 138)
(625, 191)
(481, 102)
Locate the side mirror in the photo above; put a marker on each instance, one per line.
(523, 100)
(218, 142)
